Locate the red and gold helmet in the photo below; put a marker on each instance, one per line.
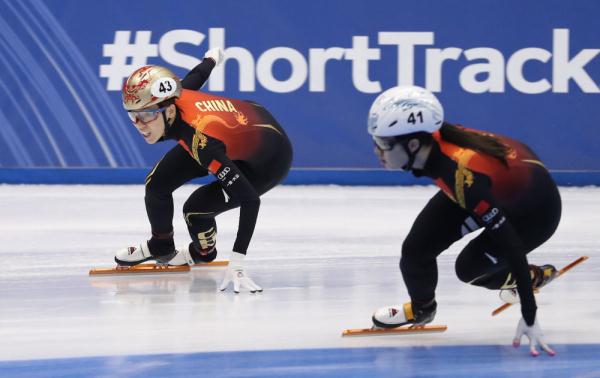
(150, 85)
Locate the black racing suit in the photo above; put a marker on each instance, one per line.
(518, 203)
(239, 142)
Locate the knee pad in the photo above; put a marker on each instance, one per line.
(205, 240)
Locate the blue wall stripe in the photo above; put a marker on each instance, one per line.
(31, 127)
(66, 82)
(89, 85)
(297, 176)
(14, 142)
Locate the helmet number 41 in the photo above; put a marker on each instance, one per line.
(412, 119)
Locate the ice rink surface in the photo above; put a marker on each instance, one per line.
(327, 257)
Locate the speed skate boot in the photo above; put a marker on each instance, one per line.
(190, 255)
(163, 249)
(131, 256)
(540, 276)
(408, 313)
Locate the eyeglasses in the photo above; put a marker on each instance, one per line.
(384, 143)
(144, 116)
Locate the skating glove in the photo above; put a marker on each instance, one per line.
(235, 273)
(534, 333)
(215, 54)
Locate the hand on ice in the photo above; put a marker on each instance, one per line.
(215, 54)
(534, 333)
(235, 273)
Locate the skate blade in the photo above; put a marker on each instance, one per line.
(212, 263)
(153, 268)
(560, 273)
(200, 265)
(404, 330)
(139, 269)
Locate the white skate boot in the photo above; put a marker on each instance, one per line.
(131, 256)
(540, 277)
(182, 257)
(399, 315)
(509, 296)
(185, 256)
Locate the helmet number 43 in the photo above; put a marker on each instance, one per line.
(164, 87)
(412, 119)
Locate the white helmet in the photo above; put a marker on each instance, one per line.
(405, 110)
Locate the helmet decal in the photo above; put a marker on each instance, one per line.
(130, 91)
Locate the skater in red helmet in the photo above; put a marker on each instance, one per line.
(239, 142)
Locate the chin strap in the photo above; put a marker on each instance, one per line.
(423, 139)
(411, 155)
(162, 138)
(166, 126)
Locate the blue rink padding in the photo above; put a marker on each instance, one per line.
(297, 176)
(572, 360)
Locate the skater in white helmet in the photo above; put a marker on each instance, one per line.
(485, 180)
